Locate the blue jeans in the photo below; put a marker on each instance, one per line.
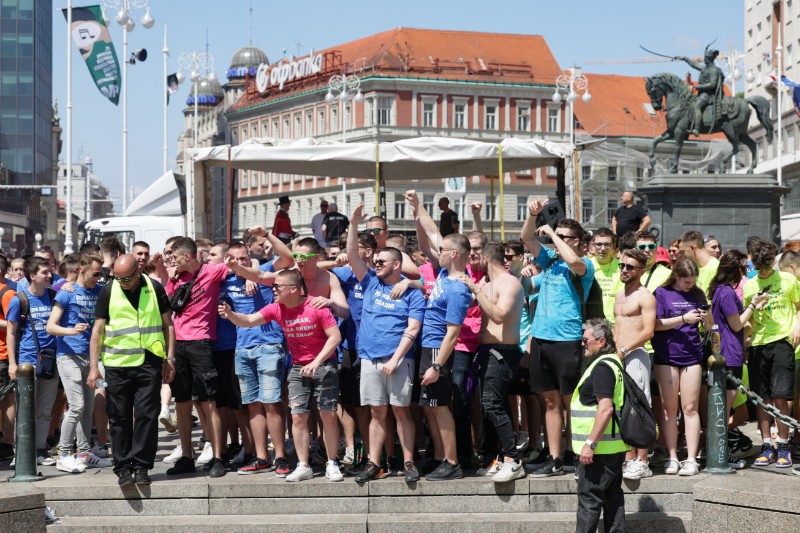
(260, 370)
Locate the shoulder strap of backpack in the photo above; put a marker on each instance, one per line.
(3, 292)
(579, 289)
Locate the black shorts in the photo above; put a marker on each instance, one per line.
(195, 374)
(228, 392)
(350, 378)
(771, 369)
(4, 377)
(736, 371)
(654, 390)
(436, 394)
(521, 384)
(555, 365)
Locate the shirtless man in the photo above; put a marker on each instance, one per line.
(635, 314)
(500, 300)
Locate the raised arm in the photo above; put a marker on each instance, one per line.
(428, 234)
(528, 233)
(358, 265)
(565, 251)
(425, 245)
(477, 223)
(283, 252)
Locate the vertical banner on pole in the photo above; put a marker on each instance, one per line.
(91, 36)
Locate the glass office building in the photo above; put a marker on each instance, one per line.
(26, 113)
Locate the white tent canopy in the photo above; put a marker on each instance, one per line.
(417, 158)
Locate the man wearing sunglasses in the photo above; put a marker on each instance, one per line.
(606, 268)
(377, 226)
(386, 340)
(635, 312)
(134, 335)
(557, 326)
(71, 323)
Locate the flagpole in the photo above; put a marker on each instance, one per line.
(166, 96)
(68, 226)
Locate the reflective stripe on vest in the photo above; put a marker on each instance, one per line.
(582, 416)
(129, 332)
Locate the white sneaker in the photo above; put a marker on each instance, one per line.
(689, 468)
(349, 456)
(166, 419)
(206, 455)
(332, 471)
(92, 461)
(100, 451)
(69, 463)
(301, 473)
(239, 459)
(176, 454)
(672, 466)
(637, 470)
(509, 471)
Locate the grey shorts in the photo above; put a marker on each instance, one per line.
(324, 386)
(379, 389)
(638, 365)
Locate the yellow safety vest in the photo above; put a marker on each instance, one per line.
(129, 332)
(582, 416)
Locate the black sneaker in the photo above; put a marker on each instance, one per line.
(217, 468)
(372, 471)
(393, 467)
(541, 458)
(125, 478)
(551, 467)
(570, 461)
(184, 465)
(411, 472)
(281, 467)
(141, 477)
(446, 471)
(6, 451)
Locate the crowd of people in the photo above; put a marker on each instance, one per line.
(350, 352)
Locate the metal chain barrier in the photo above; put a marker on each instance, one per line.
(759, 401)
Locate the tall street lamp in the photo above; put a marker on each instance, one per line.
(570, 85)
(194, 63)
(733, 62)
(344, 87)
(124, 18)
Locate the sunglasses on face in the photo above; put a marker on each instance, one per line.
(565, 237)
(650, 247)
(126, 279)
(303, 257)
(442, 249)
(97, 274)
(374, 231)
(625, 266)
(282, 285)
(510, 257)
(381, 262)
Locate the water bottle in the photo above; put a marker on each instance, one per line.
(100, 383)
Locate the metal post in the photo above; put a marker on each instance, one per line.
(68, 226)
(717, 430)
(25, 469)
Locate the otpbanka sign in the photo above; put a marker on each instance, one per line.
(284, 71)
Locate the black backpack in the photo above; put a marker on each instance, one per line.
(636, 421)
(591, 307)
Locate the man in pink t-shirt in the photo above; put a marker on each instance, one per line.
(195, 372)
(312, 336)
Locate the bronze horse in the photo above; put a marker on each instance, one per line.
(732, 121)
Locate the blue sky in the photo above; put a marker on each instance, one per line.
(576, 31)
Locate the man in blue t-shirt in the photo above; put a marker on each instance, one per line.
(71, 323)
(447, 307)
(260, 366)
(40, 304)
(555, 365)
(389, 329)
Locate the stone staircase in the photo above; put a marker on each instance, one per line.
(93, 502)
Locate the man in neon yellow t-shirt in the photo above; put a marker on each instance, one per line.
(606, 268)
(771, 359)
(692, 246)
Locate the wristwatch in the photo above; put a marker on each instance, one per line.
(592, 444)
(437, 367)
(623, 350)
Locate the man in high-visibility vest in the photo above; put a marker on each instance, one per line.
(133, 332)
(595, 439)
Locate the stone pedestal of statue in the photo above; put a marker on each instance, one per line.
(731, 207)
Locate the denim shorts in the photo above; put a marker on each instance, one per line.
(260, 370)
(324, 387)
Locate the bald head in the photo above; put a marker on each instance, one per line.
(125, 266)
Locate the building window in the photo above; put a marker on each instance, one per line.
(587, 209)
(298, 126)
(242, 178)
(385, 105)
(400, 209)
(309, 124)
(428, 112)
(334, 119)
(254, 131)
(275, 132)
(586, 172)
(789, 58)
(275, 178)
(264, 179)
(287, 134)
(613, 204)
(490, 115)
(459, 115)
(491, 209)
(523, 117)
(321, 130)
(428, 205)
(553, 114)
(522, 208)
(348, 117)
(612, 173)
(264, 129)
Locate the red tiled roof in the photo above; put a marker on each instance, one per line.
(441, 54)
(618, 109)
